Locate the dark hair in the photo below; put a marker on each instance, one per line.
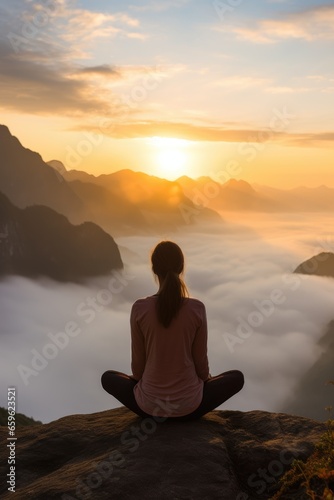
(168, 263)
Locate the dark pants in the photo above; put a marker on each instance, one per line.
(215, 392)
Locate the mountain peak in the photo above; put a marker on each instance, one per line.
(238, 185)
(57, 165)
(5, 132)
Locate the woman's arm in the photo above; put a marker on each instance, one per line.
(138, 353)
(200, 349)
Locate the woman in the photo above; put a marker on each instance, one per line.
(170, 370)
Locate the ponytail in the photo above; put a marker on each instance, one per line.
(170, 298)
(167, 264)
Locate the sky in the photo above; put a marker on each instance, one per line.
(175, 87)
(262, 319)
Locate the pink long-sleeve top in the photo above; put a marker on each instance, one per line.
(170, 364)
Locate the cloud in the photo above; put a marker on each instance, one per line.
(102, 69)
(41, 46)
(158, 6)
(288, 90)
(180, 130)
(233, 272)
(29, 86)
(241, 82)
(40, 83)
(319, 139)
(316, 23)
(123, 129)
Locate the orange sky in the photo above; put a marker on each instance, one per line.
(108, 87)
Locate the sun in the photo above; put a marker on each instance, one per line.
(171, 156)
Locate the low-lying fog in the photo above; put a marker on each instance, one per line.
(262, 319)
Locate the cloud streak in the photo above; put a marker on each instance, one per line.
(191, 132)
(311, 24)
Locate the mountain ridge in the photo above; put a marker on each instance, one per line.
(148, 208)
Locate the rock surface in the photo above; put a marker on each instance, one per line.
(226, 455)
(319, 265)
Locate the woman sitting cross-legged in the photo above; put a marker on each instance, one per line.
(170, 366)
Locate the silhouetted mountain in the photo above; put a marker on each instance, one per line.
(320, 265)
(238, 195)
(301, 199)
(129, 202)
(75, 175)
(38, 241)
(27, 180)
(58, 166)
(113, 212)
(233, 195)
(162, 203)
(313, 392)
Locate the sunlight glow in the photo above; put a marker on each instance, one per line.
(172, 157)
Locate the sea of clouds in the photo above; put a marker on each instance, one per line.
(57, 339)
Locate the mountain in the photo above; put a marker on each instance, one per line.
(115, 454)
(320, 265)
(27, 180)
(301, 199)
(38, 241)
(123, 203)
(112, 211)
(239, 195)
(58, 166)
(314, 393)
(233, 195)
(162, 203)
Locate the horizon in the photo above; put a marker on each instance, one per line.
(176, 179)
(173, 88)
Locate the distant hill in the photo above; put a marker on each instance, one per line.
(233, 195)
(313, 392)
(301, 199)
(112, 211)
(319, 265)
(27, 180)
(20, 419)
(239, 195)
(38, 241)
(162, 204)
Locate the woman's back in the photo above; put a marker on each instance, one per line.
(169, 350)
(170, 363)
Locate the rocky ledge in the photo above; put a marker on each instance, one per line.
(226, 455)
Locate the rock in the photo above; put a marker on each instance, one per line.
(37, 241)
(225, 455)
(319, 265)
